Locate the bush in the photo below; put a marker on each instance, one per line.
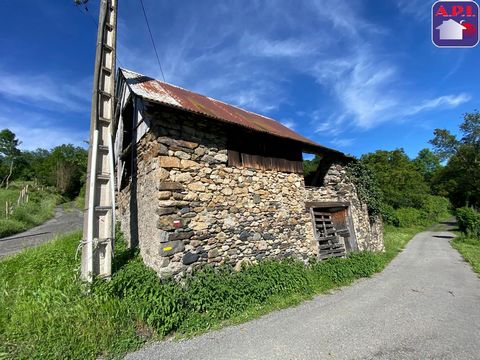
(389, 215)
(432, 209)
(469, 221)
(435, 208)
(411, 217)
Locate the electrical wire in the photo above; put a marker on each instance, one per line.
(88, 14)
(151, 38)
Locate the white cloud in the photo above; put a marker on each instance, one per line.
(289, 123)
(342, 142)
(277, 48)
(42, 137)
(35, 130)
(446, 101)
(252, 62)
(418, 9)
(361, 85)
(45, 92)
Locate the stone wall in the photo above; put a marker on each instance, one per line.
(338, 188)
(195, 209)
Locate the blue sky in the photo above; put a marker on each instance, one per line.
(353, 75)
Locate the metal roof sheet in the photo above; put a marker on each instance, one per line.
(164, 93)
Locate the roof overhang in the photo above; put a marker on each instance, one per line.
(171, 96)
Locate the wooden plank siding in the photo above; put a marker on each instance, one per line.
(265, 163)
(263, 152)
(259, 162)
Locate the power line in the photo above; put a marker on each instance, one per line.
(151, 38)
(86, 12)
(94, 21)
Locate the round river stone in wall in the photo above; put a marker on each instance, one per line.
(189, 258)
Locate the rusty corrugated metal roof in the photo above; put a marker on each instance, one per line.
(171, 95)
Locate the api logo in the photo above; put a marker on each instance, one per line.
(455, 23)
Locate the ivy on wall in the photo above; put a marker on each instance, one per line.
(367, 186)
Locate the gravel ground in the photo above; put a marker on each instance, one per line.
(63, 221)
(424, 305)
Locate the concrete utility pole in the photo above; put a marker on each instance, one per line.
(99, 215)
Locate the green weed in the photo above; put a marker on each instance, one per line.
(469, 247)
(39, 209)
(48, 313)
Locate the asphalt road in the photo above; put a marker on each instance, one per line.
(424, 305)
(63, 221)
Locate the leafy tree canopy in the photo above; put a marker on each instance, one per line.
(402, 184)
(9, 144)
(460, 178)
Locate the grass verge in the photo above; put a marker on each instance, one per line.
(469, 248)
(39, 209)
(46, 312)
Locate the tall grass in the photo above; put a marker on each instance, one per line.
(40, 208)
(469, 247)
(46, 312)
(468, 243)
(10, 195)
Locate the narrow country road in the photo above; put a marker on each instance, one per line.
(424, 305)
(63, 221)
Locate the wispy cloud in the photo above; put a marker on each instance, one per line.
(342, 142)
(45, 92)
(446, 101)
(288, 48)
(456, 66)
(252, 62)
(42, 130)
(34, 137)
(418, 9)
(289, 123)
(361, 84)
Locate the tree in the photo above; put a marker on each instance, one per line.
(67, 165)
(427, 163)
(32, 165)
(310, 166)
(400, 181)
(445, 143)
(8, 153)
(460, 178)
(65, 168)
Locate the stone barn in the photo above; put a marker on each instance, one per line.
(200, 181)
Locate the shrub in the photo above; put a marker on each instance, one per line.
(468, 221)
(410, 217)
(435, 208)
(389, 215)
(432, 209)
